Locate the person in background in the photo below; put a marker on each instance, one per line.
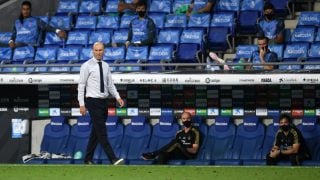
(270, 26)
(200, 6)
(289, 144)
(27, 29)
(142, 29)
(127, 7)
(184, 146)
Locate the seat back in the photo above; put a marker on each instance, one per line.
(53, 39)
(79, 137)
(5, 53)
(177, 4)
(90, 6)
(310, 130)
(163, 133)
(224, 20)
(112, 6)
(108, 22)
(192, 36)
(245, 51)
(163, 6)
(187, 53)
(100, 36)
(55, 137)
(252, 5)
(80, 38)
(44, 54)
(137, 53)
(198, 123)
(61, 22)
(160, 52)
(158, 19)
(296, 50)
(249, 139)
(309, 19)
(114, 53)
(228, 6)
(303, 34)
(23, 53)
(68, 54)
(120, 36)
(176, 21)
(126, 20)
(86, 22)
(220, 139)
(199, 20)
(278, 49)
(5, 37)
(169, 36)
(86, 54)
(136, 138)
(67, 6)
(269, 139)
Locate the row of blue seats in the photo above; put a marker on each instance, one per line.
(223, 143)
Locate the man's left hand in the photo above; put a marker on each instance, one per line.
(121, 102)
(62, 34)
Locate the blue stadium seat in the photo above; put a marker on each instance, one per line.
(248, 16)
(23, 55)
(278, 49)
(160, 54)
(158, 19)
(115, 131)
(244, 51)
(79, 138)
(67, 7)
(249, 141)
(314, 56)
(55, 138)
(100, 36)
(309, 19)
(126, 20)
(220, 139)
(199, 21)
(310, 129)
(52, 39)
(108, 22)
(303, 34)
(135, 55)
(169, 36)
(5, 37)
(13, 69)
(112, 6)
(294, 52)
(61, 22)
(228, 6)
(120, 36)
(190, 47)
(85, 54)
(44, 19)
(78, 38)
(114, 54)
(162, 6)
(45, 55)
(269, 139)
(136, 138)
(69, 54)
(176, 21)
(86, 22)
(59, 69)
(6, 55)
(221, 32)
(90, 7)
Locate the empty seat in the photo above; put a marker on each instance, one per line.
(61, 22)
(78, 38)
(314, 56)
(23, 55)
(120, 36)
(163, 6)
(5, 37)
(199, 21)
(136, 138)
(90, 7)
(269, 139)
(158, 19)
(66, 7)
(278, 49)
(126, 20)
(176, 21)
(108, 22)
(228, 6)
(100, 36)
(160, 54)
(248, 16)
(86, 22)
(85, 54)
(294, 52)
(135, 55)
(112, 6)
(169, 36)
(303, 34)
(45, 55)
(52, 39)
(5, 55)
(112, 54)
(66, 55)
(309, 19)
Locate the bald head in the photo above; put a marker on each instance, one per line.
(98, 50)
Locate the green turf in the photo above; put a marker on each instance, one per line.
(100, 172)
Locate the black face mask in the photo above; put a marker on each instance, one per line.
(141, 13)
(187, 124)
(269, 16)
(285, 128)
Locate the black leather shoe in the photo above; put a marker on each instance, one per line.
(89, 162)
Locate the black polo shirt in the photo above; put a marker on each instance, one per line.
(189, 138)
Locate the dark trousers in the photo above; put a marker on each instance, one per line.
(172, 150)
(295, 159)
(98, 113)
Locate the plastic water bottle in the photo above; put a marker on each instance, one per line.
(241, 61)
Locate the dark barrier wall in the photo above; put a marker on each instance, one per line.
(43, 101)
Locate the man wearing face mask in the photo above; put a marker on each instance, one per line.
(271, 27)
(142, 30)
(184, 146)
(289, 144)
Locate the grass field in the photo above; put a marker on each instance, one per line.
(77, 172)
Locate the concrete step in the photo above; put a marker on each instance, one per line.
(290, 24)
(316, 6)
(229, 56)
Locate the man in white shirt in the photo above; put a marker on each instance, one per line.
(94, 86)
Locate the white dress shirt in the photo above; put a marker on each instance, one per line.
(90, 81)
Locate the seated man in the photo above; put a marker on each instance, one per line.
(142, 30)
(184, 146)
(200, 6)
(270, 26)
(27, 29)
(289, 144)
(261, 56)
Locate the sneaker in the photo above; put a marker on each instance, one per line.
(148, 156)
(119, 162)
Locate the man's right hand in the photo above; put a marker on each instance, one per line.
(83, 110)
(12, 44)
